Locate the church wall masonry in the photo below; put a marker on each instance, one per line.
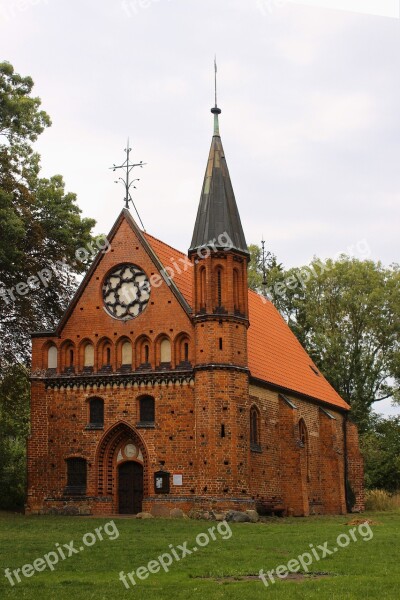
(157, 392)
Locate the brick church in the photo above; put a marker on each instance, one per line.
(169, 384)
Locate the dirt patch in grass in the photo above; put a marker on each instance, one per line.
(362, 521)
(290, 577)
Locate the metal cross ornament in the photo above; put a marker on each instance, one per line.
(128, 167)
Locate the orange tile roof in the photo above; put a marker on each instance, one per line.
(275, 354)
(167, 254)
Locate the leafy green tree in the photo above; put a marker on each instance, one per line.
(41, 229)
(346, 313)
(380, 446)
(40, 225)
(14, 429)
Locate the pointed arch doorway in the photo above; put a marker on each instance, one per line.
(121, 469)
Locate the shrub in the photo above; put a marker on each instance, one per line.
(379, 500)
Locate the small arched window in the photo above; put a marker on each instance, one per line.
(165, 351)
(126, 354)
(202, 294)
(105, 356)
(255, 441)
(236, 290)
(76, 476)
(88, 358)
(146, 353)
(52, 357)
(303, 434)
(186, 351)
(96, 407)
(143, 353)
(219, 287)
(68, 358)
(303, 443)
(147, 410)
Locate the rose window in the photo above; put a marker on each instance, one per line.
(126, 292)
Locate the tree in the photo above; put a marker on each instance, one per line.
(14, 429)
(41, 230)
(380, 446)
(346, 313)
(40, 225)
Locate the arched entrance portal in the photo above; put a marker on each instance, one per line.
(130, 488)
(121, 469)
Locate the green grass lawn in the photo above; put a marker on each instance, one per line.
(362, 570)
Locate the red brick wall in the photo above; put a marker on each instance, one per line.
(307, 479)
(202, 411)
(355, 466)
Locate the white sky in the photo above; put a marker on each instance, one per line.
(385, 8)
(310, 123)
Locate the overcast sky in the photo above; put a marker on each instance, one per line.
(310, 123)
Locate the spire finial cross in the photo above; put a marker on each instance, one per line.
(215, 110)
(128, 167)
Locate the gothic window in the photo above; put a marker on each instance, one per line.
(165, 351)
(68, 357)
(146, 353)
(303, 435)
(96, 406)
(236, 290)
(202, 294)
(143, 353)
(126, 358)
(147, 410)
(255, 442)
(126, 292)
(303, 442)
(219, 287)
(76, 476)
(52, 357)
(88, 358)
(182, 350)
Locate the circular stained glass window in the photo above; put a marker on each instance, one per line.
(126, 292)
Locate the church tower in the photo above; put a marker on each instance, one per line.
(220, 256)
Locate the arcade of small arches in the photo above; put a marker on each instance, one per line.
(214, 292)
(122, 356)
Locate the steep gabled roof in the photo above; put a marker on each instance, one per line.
(276, 357)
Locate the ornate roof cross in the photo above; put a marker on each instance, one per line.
(127, 166)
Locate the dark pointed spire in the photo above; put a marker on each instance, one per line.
(218, 212)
